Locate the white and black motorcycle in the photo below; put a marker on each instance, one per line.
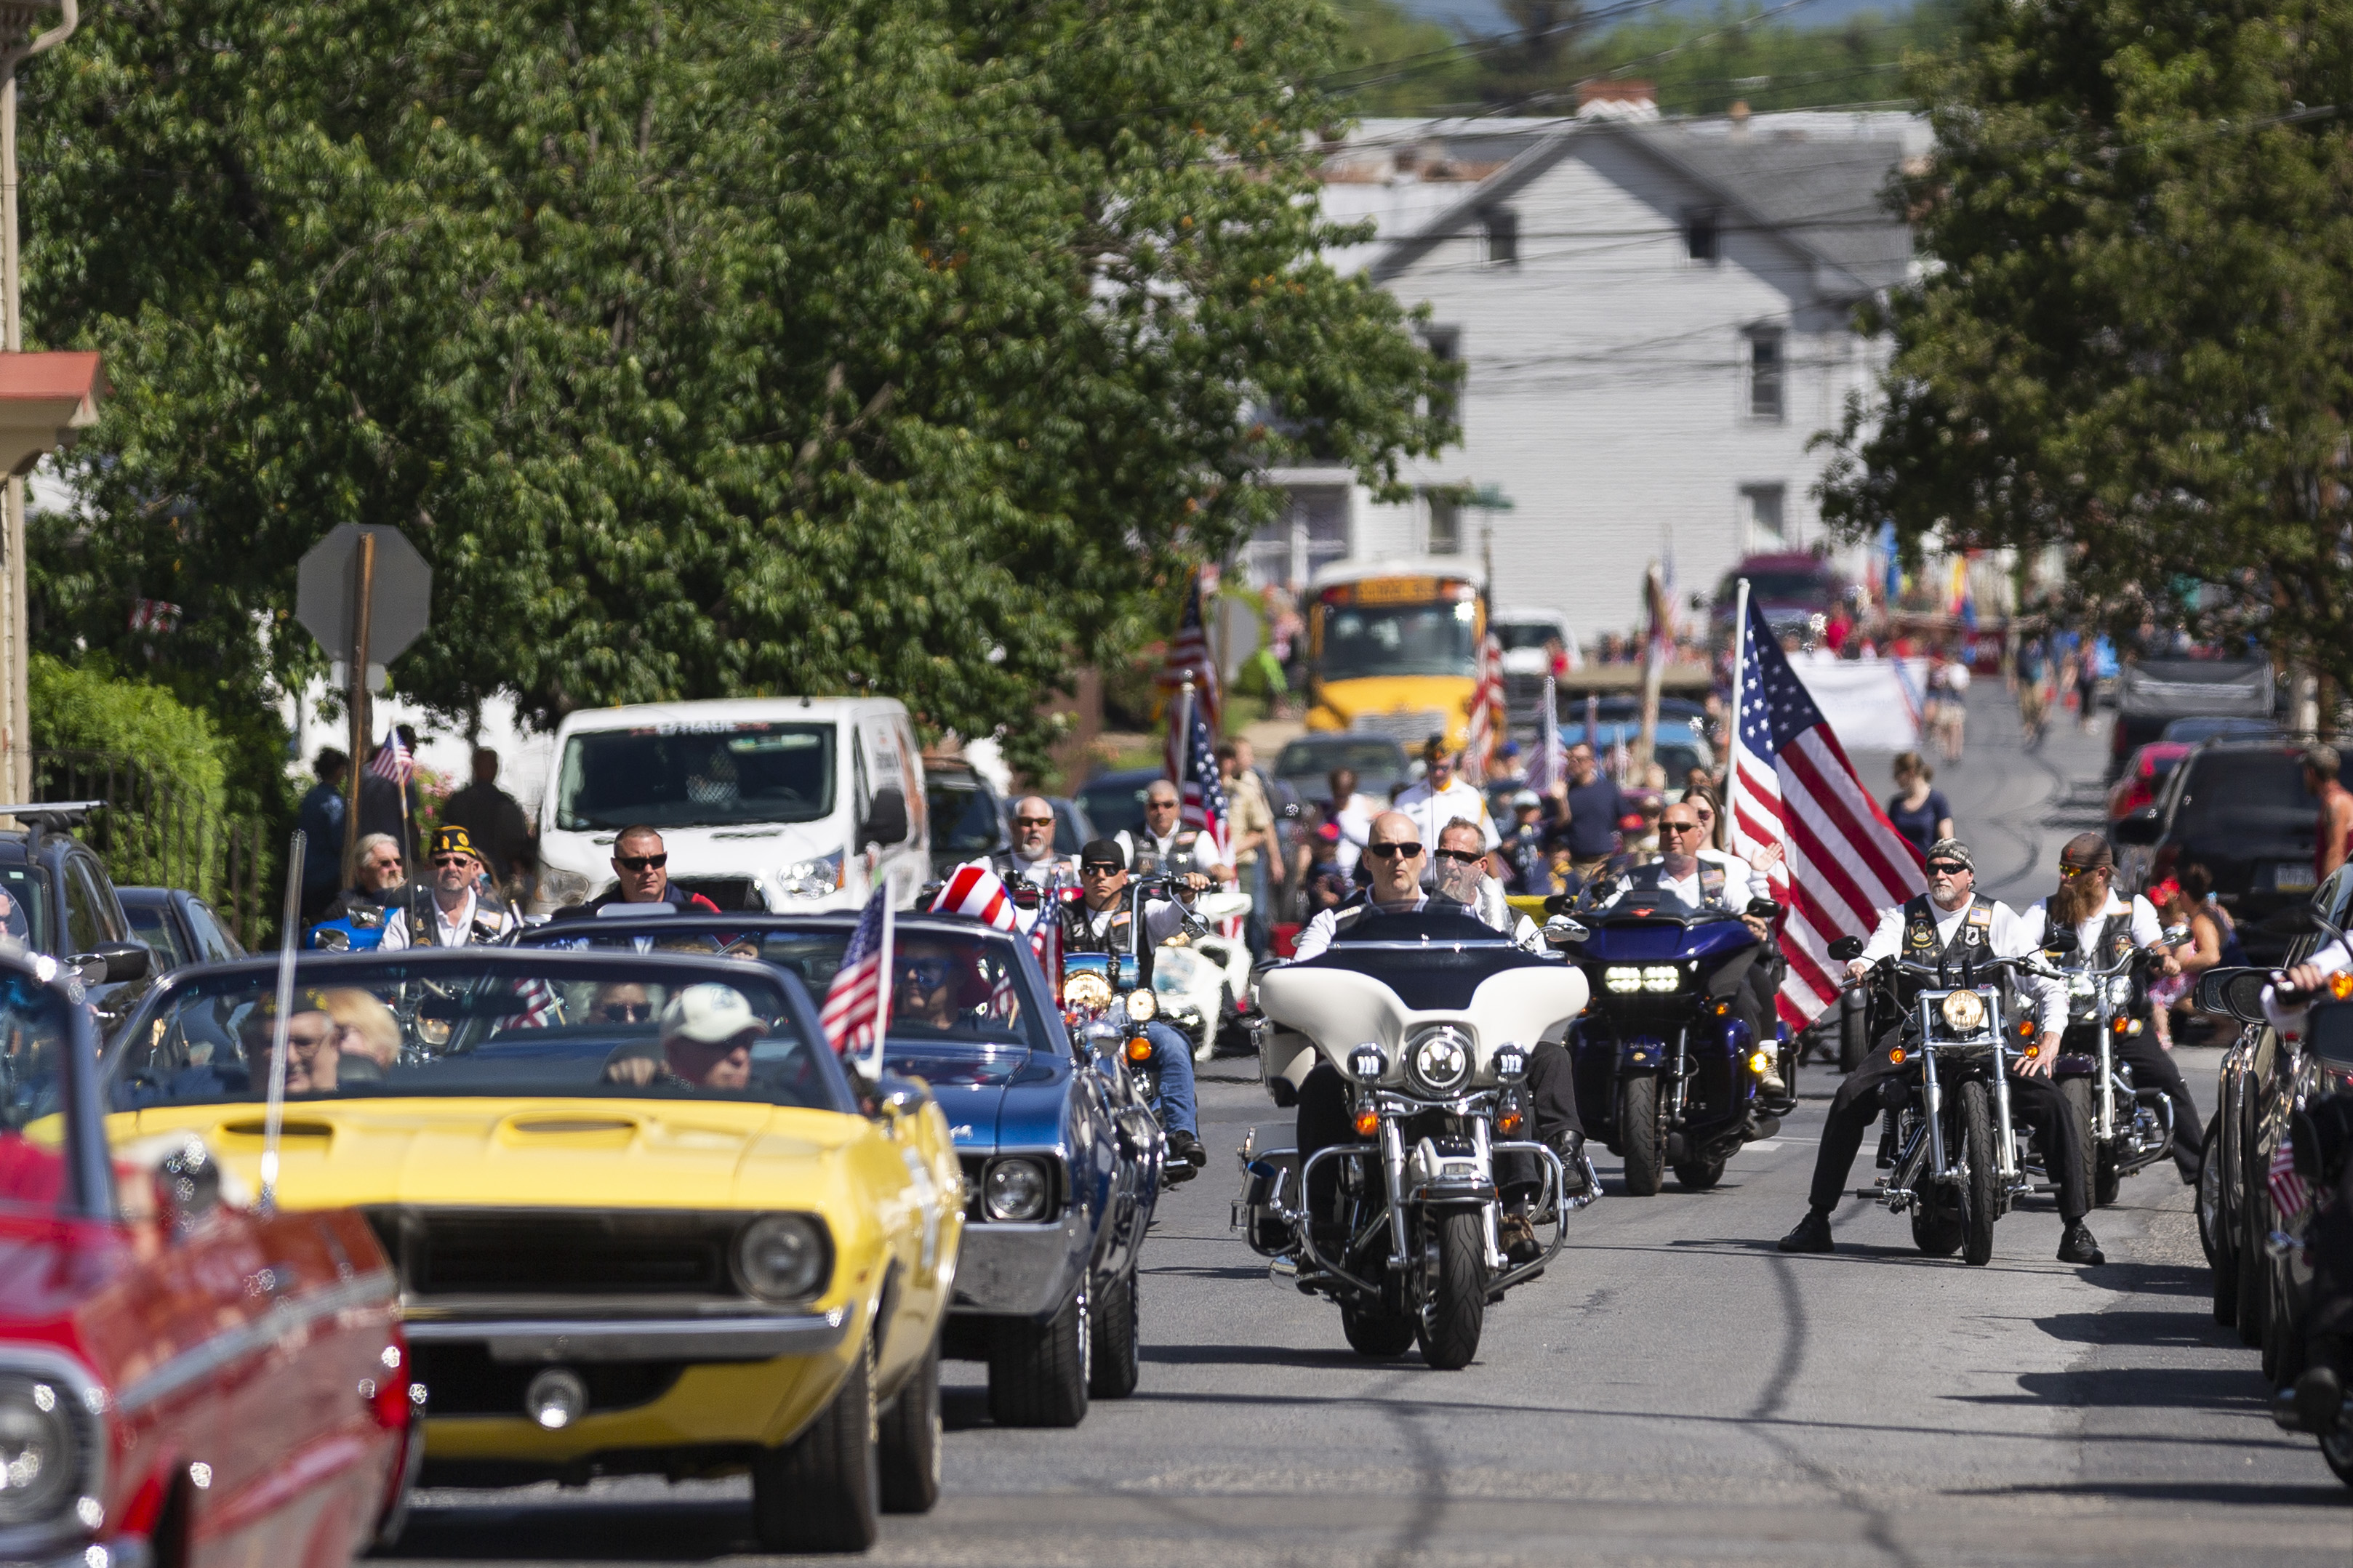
(1429, 1019)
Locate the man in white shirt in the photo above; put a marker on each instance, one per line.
(1163, 834)
(456, 915)
(1031, 859)
(1953, 923)
(1441, 798)
(1462, 874)
(1352, 813)
(2106, 928)
(1396, 856)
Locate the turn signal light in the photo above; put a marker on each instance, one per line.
(1722, 1009)
(2340, 984)
(1759, 1063)
(1368, 1122)
(1509, 1123)
(2118, 1025)
(2034, 1050)
(2026, 1029)
(1895, 1057)
(1139, 1049)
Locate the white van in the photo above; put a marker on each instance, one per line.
(763, 803)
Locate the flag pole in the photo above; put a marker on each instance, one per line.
(1732, 727)
(884, 980)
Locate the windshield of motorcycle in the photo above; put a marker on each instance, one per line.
(34, 1033)
(1433, 960)
(502, 1022)
(695, 775)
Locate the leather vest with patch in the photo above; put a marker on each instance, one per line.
(1117, 936)
(1973, 938)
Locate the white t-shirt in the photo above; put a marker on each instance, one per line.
(1432, 810)
(2147, 931)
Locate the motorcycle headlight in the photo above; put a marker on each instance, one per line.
(1661, 977)
(2080, 986)
(1622, 977)
(1141, 1007)
(1365, 1064)
(1016, 1190)
(1964, 1011)
(812, 879)
(1085, 988)
(50, 1451)
(2120, 991)
(1439, 1063)
(783, 1258)
(1511, 1063)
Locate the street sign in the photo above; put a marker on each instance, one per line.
(399, 606)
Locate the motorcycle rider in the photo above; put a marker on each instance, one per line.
(1951, 920)
(1164, 835)
(2318, 1392)
(1100, 921)
(2106, 928)
(1397, 857)
(1462, 874)
(460, 910)
(1031, 859)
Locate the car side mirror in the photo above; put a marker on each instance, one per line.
(113, 963)
(886, 817)
(1764, 909)
(1847, 949)
(2234, 993)
(2059, 942)
(2140, 828)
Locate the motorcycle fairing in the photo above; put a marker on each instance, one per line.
(1341, 1007)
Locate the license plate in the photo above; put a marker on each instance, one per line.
(2288, 876)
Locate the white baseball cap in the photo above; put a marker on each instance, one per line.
(709, 1014)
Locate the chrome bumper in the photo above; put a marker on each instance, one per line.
(747, 1338)
(1020, 1270)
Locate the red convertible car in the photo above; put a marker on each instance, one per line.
(184, 1380)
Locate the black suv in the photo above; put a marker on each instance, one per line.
(2240, 810)
(61, 902)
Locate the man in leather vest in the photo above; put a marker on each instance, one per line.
(1030, 859)
(1952, 922)
(2106, 928)
(1102, 920)
(457, 911)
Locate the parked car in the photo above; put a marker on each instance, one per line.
(59, 901)
(2240, 809)
(641, 1219)
(2155, 692)
(2220, 727)
(968, 816)
(1796, 591)
(2145, 772)
(1061, 1162)
(184, 1380)
(1306, 763)
(178, 927)
(1114, 801)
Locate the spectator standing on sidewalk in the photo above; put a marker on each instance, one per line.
(321, 818)
(494, 822)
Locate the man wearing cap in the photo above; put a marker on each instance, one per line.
(2106, 928)
(706, 1043)
(456, 913)
(1102, 920)
(1952, 921)
(1441, 798)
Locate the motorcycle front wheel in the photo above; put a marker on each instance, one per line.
(1637, 1130)
(2077, 1092)
(1698, 1175)
(1983, 1180)
(1457, 1309)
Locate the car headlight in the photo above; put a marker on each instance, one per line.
(1661, 977)
(1964, 1011)
(1622, 977)
(2120, 989)
(812, 879)
(1016, 1190)
(783, 1258)
(1439, 1063)
(1141, 1007)
(49, 1452)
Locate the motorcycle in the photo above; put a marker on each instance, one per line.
(1949, 1145)
(2125, 1129)
(1428, 1018)
(1668, 1077)
(1105, 1002)
(1199, 974)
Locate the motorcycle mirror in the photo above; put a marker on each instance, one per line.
(2059, 942)
(1560, 931)
(2236, 993)
(2174, 936)
(1847, 949)
(1555, 902)
(1764, 909)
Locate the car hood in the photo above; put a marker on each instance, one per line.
(50, 1267)
(993, 1096)
(592, 1153)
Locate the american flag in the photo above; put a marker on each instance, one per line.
(858, 1003)
(1486, 708)
(1549, 767)
(392, 760)
(979, 893)
(2290, 1196)
(1188, 657)
(1205, 796)
(1843, 860)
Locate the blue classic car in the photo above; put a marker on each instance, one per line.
(1062, 1163)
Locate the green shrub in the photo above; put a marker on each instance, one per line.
(156, 760)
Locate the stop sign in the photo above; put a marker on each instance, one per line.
(399, 602)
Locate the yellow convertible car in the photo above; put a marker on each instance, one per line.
(642, 1221)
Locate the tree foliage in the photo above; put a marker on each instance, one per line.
(2131, 342)
(759, 345)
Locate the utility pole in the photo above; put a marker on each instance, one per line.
(17, 23)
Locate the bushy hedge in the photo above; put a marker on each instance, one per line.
(157, 760)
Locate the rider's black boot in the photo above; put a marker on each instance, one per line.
(2079, 1245)
(1571, 1147)
(1183, 1146)
(1812, 1234)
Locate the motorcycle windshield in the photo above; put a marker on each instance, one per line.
(1432, 959)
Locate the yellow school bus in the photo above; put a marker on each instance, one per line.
(1393, 648)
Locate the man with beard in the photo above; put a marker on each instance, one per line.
(1951, 922)
(2106, 928)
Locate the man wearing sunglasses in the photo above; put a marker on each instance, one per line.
(1163, 837)
(456, 913)
(1396, 858)
(641, 865)
(1463, 873)
(1103, 920)
(2106, 928)
(1952, 922)
(1031, 859)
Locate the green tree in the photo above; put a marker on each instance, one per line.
(753, 346)
(2130, 340)
(157, 761)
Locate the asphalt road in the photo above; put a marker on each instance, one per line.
(1676, 1391)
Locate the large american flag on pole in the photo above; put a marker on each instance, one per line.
(858, 1003)
(1842, 860)
(1189, 653)
(1486, 712)
(1205, 796)
(392, 760)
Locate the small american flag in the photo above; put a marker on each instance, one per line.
(1189, 652)
(858, 1003)
(2290, 1196)
(392, 761)
(977, 893)
(1549, 767)
(154, 616)
(1486, 710)
(1205, 796)
(1842, 860)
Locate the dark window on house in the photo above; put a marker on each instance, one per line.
(1767, 524)
(1502, 236)
(1765, 369)
(1445, 525)
(1446, 343)
(1703, 236)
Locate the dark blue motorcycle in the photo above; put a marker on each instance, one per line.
(1667, 1074)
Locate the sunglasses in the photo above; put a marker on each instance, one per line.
(453, 859)
(1160, 805)
(628, 1012)
(1944, 868)
(1461, 857)
(2080, 870)
(1033, 822)
(1679, 827)
(1101, 869)
(929, 974)
(642, 862)
(1386, 850)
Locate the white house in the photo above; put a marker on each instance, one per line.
(1654, 320)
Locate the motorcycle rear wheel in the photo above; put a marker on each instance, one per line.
(1449, 1326)
(1376, 1332)
(1637, 1130)
(2077, 1092)
(1983, 1190)
(1698, 1175)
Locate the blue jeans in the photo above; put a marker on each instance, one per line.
(1172, 1059)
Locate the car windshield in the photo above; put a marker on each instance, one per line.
(1780, 588)
(1513, 636)
(1364, 642)
(705, 775)
(2226, 785)
(1309, 764)
(950, 987)
(963, 819)
(498, 1023)
(1116, 805)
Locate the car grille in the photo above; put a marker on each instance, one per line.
(540, 1252)
(1408, 729)
(462, 1380)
